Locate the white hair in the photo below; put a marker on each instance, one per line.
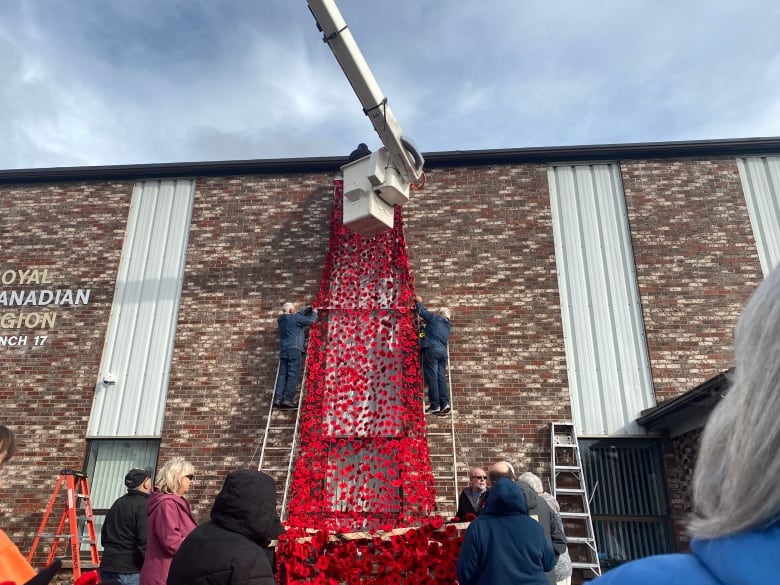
(445, 312)
(735, 484)
(532, 480)
(288, 308)
(169, 476)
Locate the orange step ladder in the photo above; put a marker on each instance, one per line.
(77, 496)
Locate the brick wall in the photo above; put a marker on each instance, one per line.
(680, 462)
(696, 264)
(76, 232)
(480, 241)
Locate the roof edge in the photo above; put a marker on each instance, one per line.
(544, 155)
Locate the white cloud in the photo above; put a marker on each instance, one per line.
(116, 82)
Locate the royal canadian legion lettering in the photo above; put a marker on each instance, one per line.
(26, 299)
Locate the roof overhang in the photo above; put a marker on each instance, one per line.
(688, 411)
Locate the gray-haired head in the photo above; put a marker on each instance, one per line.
(445, 312)
(288, 308)
(735, 486)
(532, 480)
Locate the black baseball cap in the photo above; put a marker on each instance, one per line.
(136, 477)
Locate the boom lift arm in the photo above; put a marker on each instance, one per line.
(374, 185)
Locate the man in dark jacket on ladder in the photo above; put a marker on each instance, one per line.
(233, 546)
(434, 357)
(291, 326)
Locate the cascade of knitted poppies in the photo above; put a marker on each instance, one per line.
(363, 462)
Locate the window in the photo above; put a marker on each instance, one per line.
(629, 507)
(108, 462)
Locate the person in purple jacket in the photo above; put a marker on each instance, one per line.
(170, 519)
(736, 485)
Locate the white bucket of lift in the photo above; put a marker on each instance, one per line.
(371, 190)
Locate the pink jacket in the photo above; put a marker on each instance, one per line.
(170, 520)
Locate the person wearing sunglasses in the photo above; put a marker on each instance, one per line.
(504, 544)
(170, 519)
(472, 499)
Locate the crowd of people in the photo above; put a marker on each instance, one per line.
(515, 535)
(150, 536)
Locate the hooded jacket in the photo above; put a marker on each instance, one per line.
(504, 545)
(169, 522)
(231, 548)
(750, 558)
(540, 511)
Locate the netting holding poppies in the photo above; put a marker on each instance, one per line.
(363, 463)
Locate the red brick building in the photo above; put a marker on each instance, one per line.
(138, 311)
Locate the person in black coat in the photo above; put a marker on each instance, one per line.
(360, 152)
(434, 347)
(123, 535)
(232, 548)
(472, 499)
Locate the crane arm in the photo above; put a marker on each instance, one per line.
(403, 154)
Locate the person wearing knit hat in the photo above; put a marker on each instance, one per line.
(124, 531)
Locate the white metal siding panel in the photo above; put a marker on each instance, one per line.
(606, 352)
(760, 177)
(139, 341)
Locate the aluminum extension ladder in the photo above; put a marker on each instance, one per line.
(77, 496)
(279, 424)
(568, 487)
(434, 430)
(448, 432)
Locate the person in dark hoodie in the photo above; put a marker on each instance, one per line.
(540, 511)
(504, 544)
(232, 548)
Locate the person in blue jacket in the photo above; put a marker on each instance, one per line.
(291, 326)
(504, 545)
(434, 357)
(736, 485)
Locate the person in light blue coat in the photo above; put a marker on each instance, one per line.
(736, 486)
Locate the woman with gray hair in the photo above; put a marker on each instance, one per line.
(562, 570)
(736, 484)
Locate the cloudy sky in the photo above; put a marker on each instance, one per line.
(99, 82)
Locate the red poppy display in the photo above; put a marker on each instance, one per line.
(363, 463)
